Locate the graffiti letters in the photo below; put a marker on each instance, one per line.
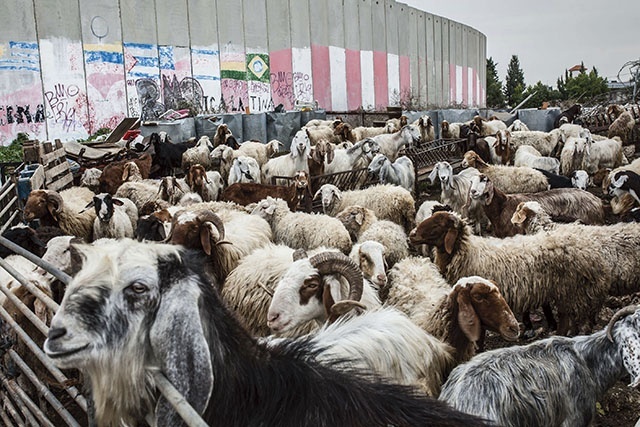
(149, 95)
(187, 93)
(61, 101)
(22, 115)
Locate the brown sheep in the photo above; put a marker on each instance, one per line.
(503, 147)
(623, 124)
(113, 173)
(245, 193)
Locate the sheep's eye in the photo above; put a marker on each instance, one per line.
(479, 297)
(138, 288)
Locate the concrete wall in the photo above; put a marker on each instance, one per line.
(71, 67)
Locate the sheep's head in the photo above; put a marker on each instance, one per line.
(301, 144)
(273, 147)
(471, 159)
(132, 304)
(41, 203)
(130, 171)
(503, 139)
(411, 134)
(196, 177)
(580, 179)
(202, 230)
(372, 263)
(111, 178)
(354, 217)
(623, 330)
(526, 211)
(266, 208)
(617, 186)
(517, 125)
(221, 134)
(481, 188)
(104, 205)
(168, 188)
(377, 163)
(242, 168)
(444, 171)
(480, 305)
(425, 122)
(329, 194)
(615, 110)
(306, 290)
(343, 130)
(444, 126)
(442, 230)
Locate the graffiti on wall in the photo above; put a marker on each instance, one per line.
(175, 94)
(62, 103)
(20, 114)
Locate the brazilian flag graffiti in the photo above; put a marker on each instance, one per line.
(258, 67)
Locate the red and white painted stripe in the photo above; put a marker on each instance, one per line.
(405, 79)
(368, 80)
(302, 74)
(381, 81)
(353, 72)
(393, 78)
(321, 76)
(281, 78)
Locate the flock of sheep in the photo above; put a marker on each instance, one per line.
(373, 312)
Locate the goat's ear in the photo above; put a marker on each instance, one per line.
(330, 153)
(117, 202)
(359, 218)
(206, 237)
(450, 240)
(421, 122)
(126, 170)
(315, 196)
(467, 318)
(489, 193)
(179, 345)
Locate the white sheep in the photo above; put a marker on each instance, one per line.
(605, 153)
(91, 179)
(389, 202)
(509, 179)
(302, 230)
(140, 193)
(259, 151)
(356, 157)
(390, 144)
(289, 164)
(526, 155)
(222, 157)
(112, 220)
(518, 126)
(199, 154)
(322, 133)
(575, 154)
(544, 142)
(427, 130)
(363, 225)
(400, 172)
(244, 169)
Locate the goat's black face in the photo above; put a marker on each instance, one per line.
(106, 306)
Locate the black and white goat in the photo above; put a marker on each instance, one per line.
(111, 220)
(552, 382)
(625, 181)
(135, 307)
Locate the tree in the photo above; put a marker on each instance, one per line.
(583, 86)
(495, 98)
(542, 93)
(514, 83)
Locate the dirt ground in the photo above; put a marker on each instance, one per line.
(620, 406)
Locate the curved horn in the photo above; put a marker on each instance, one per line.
(54, 199)
(336, 262)
(625, 311)
(209, 216)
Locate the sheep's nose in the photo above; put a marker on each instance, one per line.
(57, 333)
(272, 317)
(382, 278)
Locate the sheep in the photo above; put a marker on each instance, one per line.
(557, 267)
(389, 202)
(310, 290)
(207, 184)
(301, 230)
(322, 153)
(359, 133)
(400, 172)
(369, 255)
(489, 127)
(480, 146)
(62, 210)
(623, 124)
(222, 157)
(578, 179)
(111, 219)
(574, 155)
(139, 192)
(259, 151)
(222, 135)
(91, 179)
(395, 348)
(172, 189)
(605, 154)
(457, 315)
(564, 202)
(427, 130)
(390, 144)
(518, 126)
(526, 155)
(289, 164)
(532, 218)
(545, 142)
(244, 169)
(186, 331)
(454, 192)
(363, 225)
(322, 133)
(509, 179)
(570, 113)
(25, 237)
(112, 174)
(450, 130)
(395, 124)
(625, 181)
(556, 381)
(329, 123)
(247, 193)
(356, 157)
(200, 154)
(225, 236)
(634, 166)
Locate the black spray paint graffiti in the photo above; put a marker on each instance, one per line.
(176, 95)
(61, 101)
(22, 115)
(286, 85)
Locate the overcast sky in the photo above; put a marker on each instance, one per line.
(550, 36)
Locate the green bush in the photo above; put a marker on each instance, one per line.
(13, 152)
